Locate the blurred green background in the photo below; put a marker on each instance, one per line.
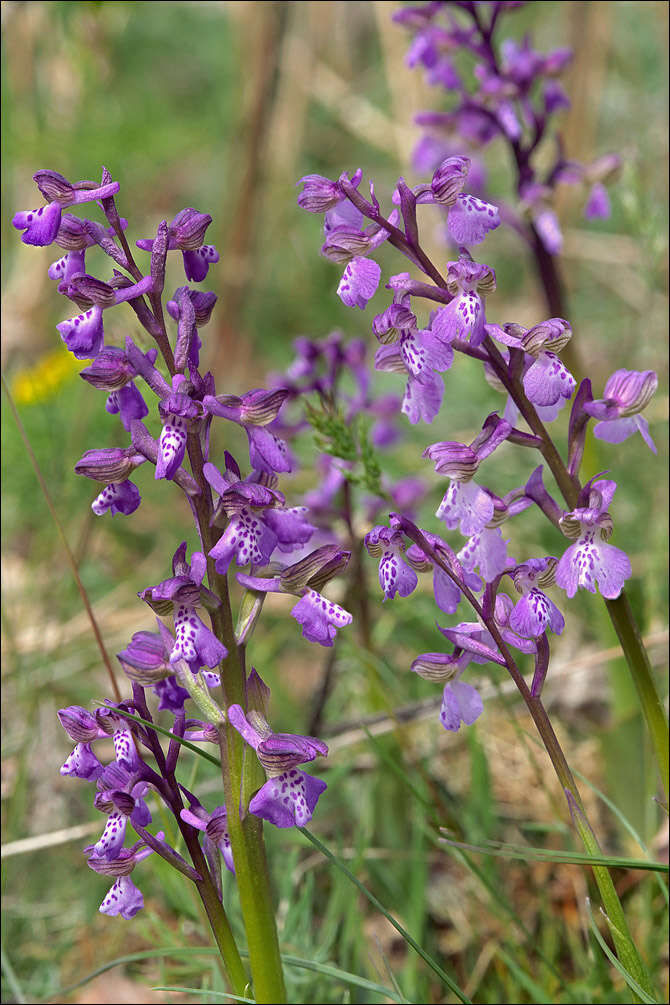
(223, 106)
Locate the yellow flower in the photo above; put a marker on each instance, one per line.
(41, 381)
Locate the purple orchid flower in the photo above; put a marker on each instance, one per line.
(123, 897)
(121, 796)
(112, 465)
(186, 233)
(546, 381)
(83, 335)
(255, 411)
(591, 561)
(396, 575)
(215, 826)
(40, 226)
(464, 317)
(180, 595)
(486, 550)
(320, 194)
(179, 414)
(534, 613)
(117, 497)
(626, 393)
(289, 797)
(319, 617)
(465, 504)
(127, 403)
(461, 702)
(421, 356)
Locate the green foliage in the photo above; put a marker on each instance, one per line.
(348, 439)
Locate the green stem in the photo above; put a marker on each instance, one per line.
(245, 830)
(623, 941)
(636, 656)
(252, 875)
(619, 610)
(625, 947)
(218, 920)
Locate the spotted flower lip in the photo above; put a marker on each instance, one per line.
(320, 618)
(535, 612)
(289, 799)
(180, 595)
(290, 795)
(396, 564)
(117, 497)
(359, 282)
(463, 317)
(40, 226)
(591, 562)
(421, 356)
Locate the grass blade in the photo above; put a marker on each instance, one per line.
(435, 967)
(630, 981)
(525, 852)
(295, 961)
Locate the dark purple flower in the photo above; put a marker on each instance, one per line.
(180, 595)
(40, 226)
(290, 795)
(187, 233)
(117, 497)
(83, 335)
(197, 262)
(128, 403)
(179, 413)
(68, 266)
